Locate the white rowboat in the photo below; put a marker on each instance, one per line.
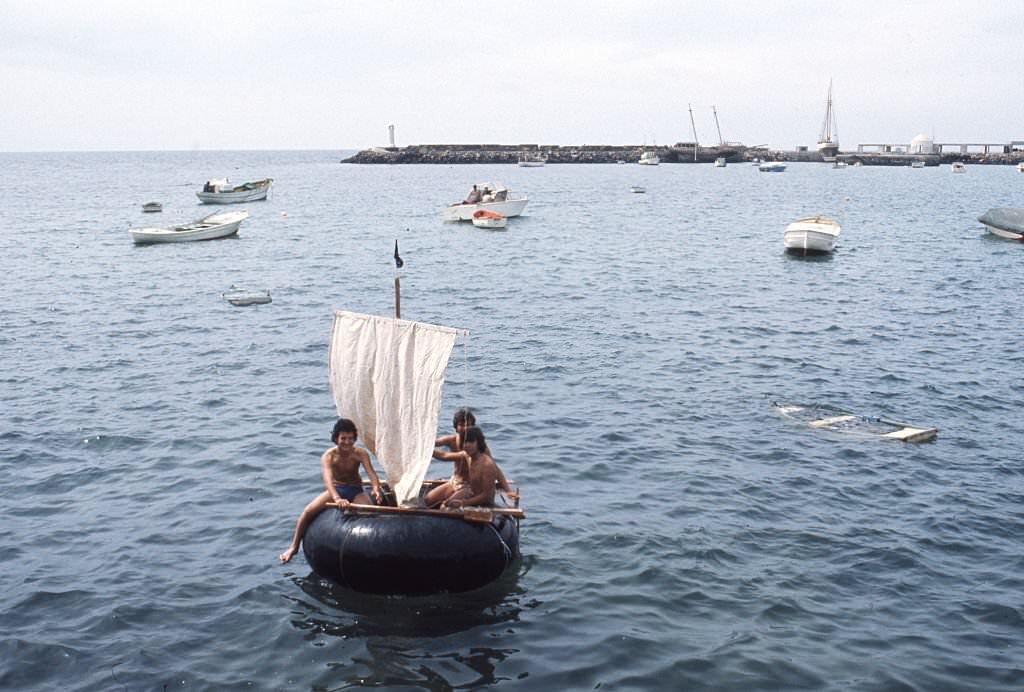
(219, 225)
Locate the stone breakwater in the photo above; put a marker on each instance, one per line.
(630, 153)
(510, 153)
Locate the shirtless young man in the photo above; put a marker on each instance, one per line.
(483, 472)
(462, 419)
(339, 467)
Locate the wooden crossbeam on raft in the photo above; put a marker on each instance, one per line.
(477, 514)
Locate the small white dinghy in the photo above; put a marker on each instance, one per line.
(220, 225)
(150, 207)
(637, 189)
(241, 297)
(836, 420)
(483, 218)
(811, 234)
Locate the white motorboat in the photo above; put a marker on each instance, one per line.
(958, 167)
(771, 167)
(490, 196)
(1020, 167)
(637, 189)
(720, 162)
(917, 164)
(527, 161)
(219, 225)
(483, 218)
(840, 164)
(150, 207)
(649, 158)
(222, 191)
(811, 234)
(1005, 222)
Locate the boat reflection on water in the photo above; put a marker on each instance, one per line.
(434, 642)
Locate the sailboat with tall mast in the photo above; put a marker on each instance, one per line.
(386, 375)
(828, 141)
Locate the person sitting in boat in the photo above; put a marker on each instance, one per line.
(483, 472)
(487, 195)
(461, 421)
(339, 467)
(474, 196)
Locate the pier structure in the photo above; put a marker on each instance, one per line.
(939, 148)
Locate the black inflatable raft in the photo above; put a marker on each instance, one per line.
(410, 552)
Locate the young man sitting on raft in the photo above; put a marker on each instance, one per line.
(339, 467)
(483, 472)
(462, 420)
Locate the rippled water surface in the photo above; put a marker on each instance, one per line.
(157, 443)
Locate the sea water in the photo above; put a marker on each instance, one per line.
(157, 443)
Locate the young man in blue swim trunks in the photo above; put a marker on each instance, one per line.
(339, 467)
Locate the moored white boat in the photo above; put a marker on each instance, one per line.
(720, 162)
(1020, 167)
(917, 164)
(811, 234)
(958, 167)
(483, 218)
(771, 167)
(649, 158)
(1005, 222)
(241, 297)
(150, 207)
(490, 196)
(640, 189)
(527, 161)
(221, 191)
(219, 225)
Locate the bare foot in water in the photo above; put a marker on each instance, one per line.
(287, 555)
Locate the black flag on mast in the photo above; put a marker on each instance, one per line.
(398, 260)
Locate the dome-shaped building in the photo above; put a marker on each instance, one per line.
(922, 144)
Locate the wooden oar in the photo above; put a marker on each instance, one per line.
(474, 514)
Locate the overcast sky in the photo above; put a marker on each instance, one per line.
(333, 74)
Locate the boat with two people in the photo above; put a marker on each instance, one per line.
(219, 225)
(824, 417)
(494, 197)
(386, 375)
(811, 234)
(222, 191)
(485, 218)
(1005, 222)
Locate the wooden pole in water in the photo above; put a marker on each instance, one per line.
(398, 284)
(398, 297)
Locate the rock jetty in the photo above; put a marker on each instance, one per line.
(511, 153)
(681, 152)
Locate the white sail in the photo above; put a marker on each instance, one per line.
(386, 375)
